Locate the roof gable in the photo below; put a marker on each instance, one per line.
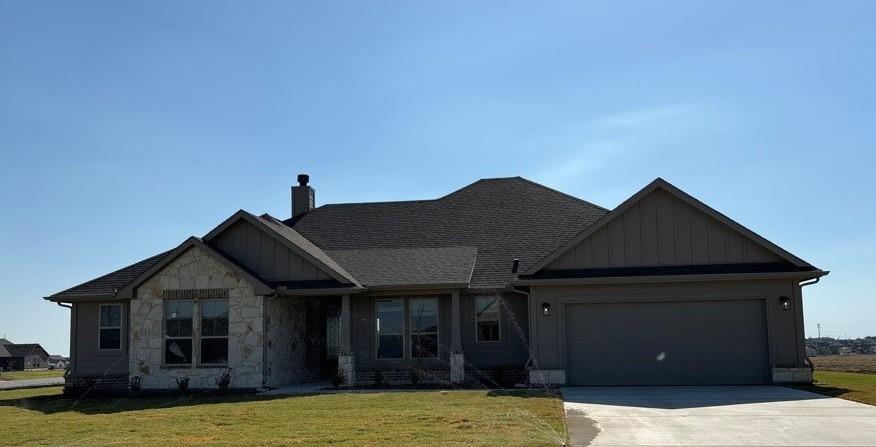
(275, 251)
(663, 226)
(127, 292)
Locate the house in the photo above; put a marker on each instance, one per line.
(57, 362)
(16, 357)
(504, 274)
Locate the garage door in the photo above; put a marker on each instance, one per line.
(667, 343)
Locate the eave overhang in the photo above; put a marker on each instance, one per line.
(800, 276)
(81, 298)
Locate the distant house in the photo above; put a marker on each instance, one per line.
(58, 362)
(845, 350)
(15, 357)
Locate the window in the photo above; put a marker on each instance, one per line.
(214, 332)
(110, 327)
(487, 311)
(424, 327)
(178, 332)
(390, 329)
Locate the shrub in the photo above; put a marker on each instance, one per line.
(378, 378)
(182, 384)
(223, 382)
(499, 376)
(337, 380)
(134, 385)
(415, 376)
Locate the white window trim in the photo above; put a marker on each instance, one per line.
(476, 321)
(437, 332)
(165, 337)
(100, 327)
(201, 336)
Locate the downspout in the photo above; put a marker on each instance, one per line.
(806, 357)
(529, 322)
(72, 339)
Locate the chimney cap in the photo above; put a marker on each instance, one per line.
(303, 179)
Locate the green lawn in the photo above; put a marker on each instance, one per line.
(31, 374)
(847, 385)
(451, 418)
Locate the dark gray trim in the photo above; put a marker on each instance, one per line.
(709, 269)
(672, 278)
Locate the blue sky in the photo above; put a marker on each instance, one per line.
(127, 126)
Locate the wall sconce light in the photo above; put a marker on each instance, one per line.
(546, 309)
(785, 303)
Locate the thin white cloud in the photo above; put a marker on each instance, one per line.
(595, 146)
(647, 117)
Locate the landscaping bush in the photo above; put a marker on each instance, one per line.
(134, 385)
(415, 376)
(337, 380)
(378, 378)
(223, 382)
(499, 376)
(182, 384)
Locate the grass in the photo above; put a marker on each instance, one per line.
(865, 363)
(847, 385)
(450, 418)
(31, 374)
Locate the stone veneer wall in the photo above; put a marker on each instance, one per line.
(196, 269)
(286, 338)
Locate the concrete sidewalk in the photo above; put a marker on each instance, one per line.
(30, 383)
(714, 416)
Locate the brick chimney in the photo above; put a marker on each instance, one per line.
(303, 196)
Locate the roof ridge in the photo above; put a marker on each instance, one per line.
(458, 190)
(548, 188)
(377, 203)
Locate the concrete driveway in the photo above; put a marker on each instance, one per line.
(714, 416)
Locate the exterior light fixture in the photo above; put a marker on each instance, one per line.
(546, 309)
(785, 303)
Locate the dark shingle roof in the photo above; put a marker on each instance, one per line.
(24, 349)
(409, 266)
(110, 283)
(488, 223)
(503, 218)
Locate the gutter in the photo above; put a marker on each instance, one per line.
(283, 291)
(670, 278)
(82, 298)
(449, 285)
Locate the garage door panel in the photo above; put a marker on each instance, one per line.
(667, 343)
